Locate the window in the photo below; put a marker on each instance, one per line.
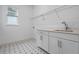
(12, 16)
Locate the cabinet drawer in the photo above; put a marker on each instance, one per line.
(65, 36)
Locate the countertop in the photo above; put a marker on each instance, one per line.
(58, 31)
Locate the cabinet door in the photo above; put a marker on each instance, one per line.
(44, 41)
(38, 40)
(69, 47)
(53, 45)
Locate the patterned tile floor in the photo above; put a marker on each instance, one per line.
(21, 47)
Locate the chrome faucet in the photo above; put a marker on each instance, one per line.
(66, 25)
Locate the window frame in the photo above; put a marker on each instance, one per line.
(12, 16)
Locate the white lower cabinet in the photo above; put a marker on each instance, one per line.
(58, 44)
(69, 47)
(44, 41)
(62, 46)
(53, 45)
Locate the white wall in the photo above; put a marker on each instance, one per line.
(41, 9)
(0, 22)
(17, 32)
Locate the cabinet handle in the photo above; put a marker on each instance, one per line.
(60, 44)
(41, 37)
